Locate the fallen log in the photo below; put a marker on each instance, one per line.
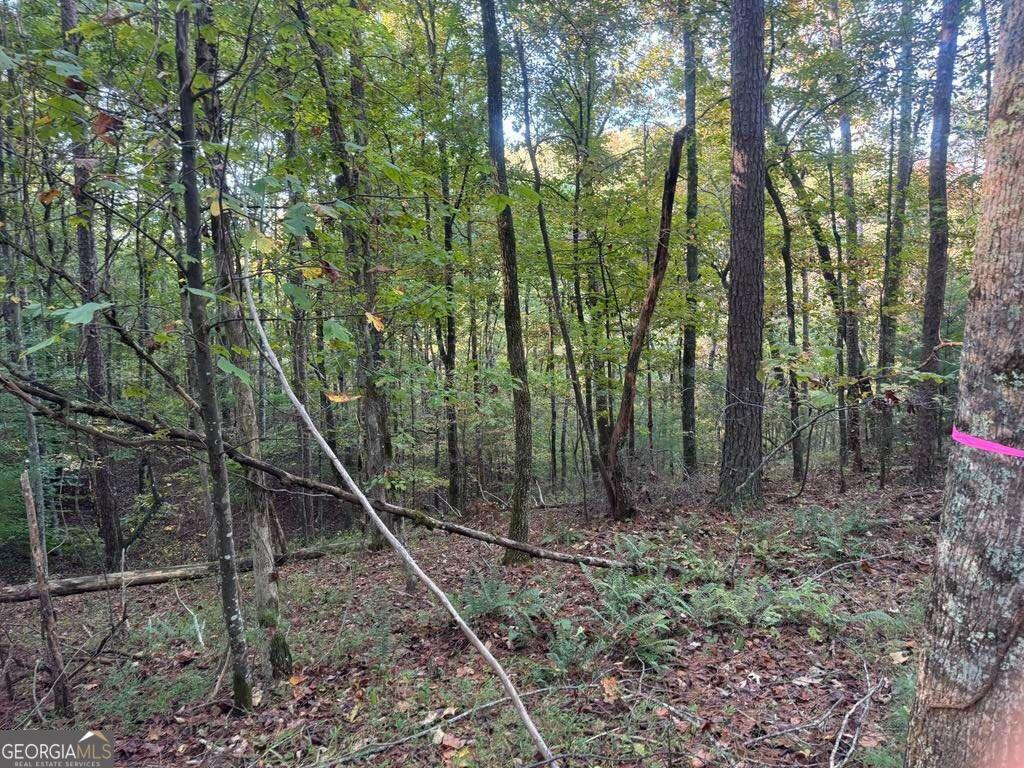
(79, 585)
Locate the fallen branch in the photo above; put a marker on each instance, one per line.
(390, 537)
(78, 585)
(33, 394)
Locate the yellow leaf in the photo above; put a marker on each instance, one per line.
(340, 397)
(311, 272)
(375, 321)
(215, 207)
(610, 686)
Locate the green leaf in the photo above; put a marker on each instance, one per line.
(498, 202)
(298, 221)
(41, 345)
(81, 315)
(228, 367)
(6, 62)
(336, 332)
(297, 294)
(201, 292)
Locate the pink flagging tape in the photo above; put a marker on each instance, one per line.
(986, 445)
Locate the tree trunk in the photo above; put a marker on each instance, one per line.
(620, 502)
(854, 363)
(582, 410)
(519, 516)
(231, 322)
(893, 272)
(929, 415)
(88, 275)
(208, 398)
(969, 698)
(61, 693)
(689, 365)
(795, 436)
(740, 476)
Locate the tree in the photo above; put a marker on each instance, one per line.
(209, 400)
(519, 515)
(689, 366)
(892, 278)
(928, 410)
(739, 474)
(88, 276)
(969, 698)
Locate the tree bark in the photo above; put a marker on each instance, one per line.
(928, 409)
(744, 396)
(519, 514)
(969, 700)
(209, 400)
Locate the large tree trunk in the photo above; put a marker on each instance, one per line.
(892, 275)
(689, 363)
(519, 519)
(88, 275)
(209, 400)
(740, 476)
(620, 502)
(929, 415)
(969, 695)
(230, 320)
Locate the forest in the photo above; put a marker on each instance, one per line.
(479, 383)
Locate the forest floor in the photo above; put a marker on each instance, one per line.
(788, 642)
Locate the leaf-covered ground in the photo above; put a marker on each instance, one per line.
(789, 641)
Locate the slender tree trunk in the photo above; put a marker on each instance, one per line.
(620, 502)
(929, 413)
(61, 694)
(740, 476)
(88, 275)
(689, 363)
(232, 325)
(519, 519)
(582, 410)
(13, 299)
(795, 436)
(892, 277)
(969, 700)
(852, 298)
(209, 400)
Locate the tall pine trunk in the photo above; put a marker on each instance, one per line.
(969, 695)
(740, 475)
